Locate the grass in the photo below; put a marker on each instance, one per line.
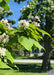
(25, 69)
(30, 58)
(11, 72)
(27, 57)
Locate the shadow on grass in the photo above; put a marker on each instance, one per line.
(27, 57)
(4, 68)
(33, 58)
(34, 68)
(27, 67)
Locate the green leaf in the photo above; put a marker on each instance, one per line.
(32, 26)
(10, 60)
(38, 45)
(3, 65)
(1, 1)
(2, 27)
(29, 42)
(4, 5)
(7, 1)
(12, 64)
(25, 42)
(11, 32)
(42, 31)
(35, 34)
(9, 56)
(0, 32)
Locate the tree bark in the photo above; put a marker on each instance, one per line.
(46, 58)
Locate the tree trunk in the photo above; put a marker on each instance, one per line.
(46, 58)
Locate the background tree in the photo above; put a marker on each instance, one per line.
(27, 34)
(4, 12)
(5, 29)
(44, 9)
(18, 1)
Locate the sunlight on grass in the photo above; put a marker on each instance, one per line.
(9, 72)
(26, 69)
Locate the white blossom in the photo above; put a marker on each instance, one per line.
(6, 24)
(32, 17)
(27, 5)
(4, 38)
(5, 60)
(29, 21)
(23, 23)
(37, 18)
(11, 28)
(4, 21)
(36, 24)
(2, 51)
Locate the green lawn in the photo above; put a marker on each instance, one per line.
(27, 57)
(11, 72)
(25, 69)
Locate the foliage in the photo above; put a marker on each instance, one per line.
(28, 43)
(44, 9)
(4, 5)
(27, 34)
(18, 1)
(3, 65)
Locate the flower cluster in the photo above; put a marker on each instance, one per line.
(36, 24)
(28, 6)
(7, 25)
(35, 20)
(24, 23)
(38, 19)
(2, 51)
(4, 38)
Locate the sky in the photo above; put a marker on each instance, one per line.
(15, 8)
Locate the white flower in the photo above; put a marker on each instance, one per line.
(4, 38)
(4, 21)
(11, 28)
(52, 7)
(2, 51)
(36, 24)
(27, 5)
(23, 23)
(5, 60)
(6, 24)
(26, 25)
(37, 18)
(29, 21)
(32, 17)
